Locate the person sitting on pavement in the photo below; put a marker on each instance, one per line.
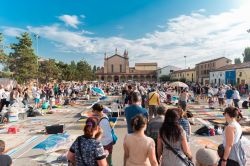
(134, 110)
(86, 149)
(138, 148)
(206, 157)
(155, 124)
(5, 160)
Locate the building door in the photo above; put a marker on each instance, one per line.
(116, 79)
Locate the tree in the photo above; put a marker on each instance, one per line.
(165, 78)
(23, 61)
(3, 57)
(94, 69)
(237, 61)
(183, 80)
(246, 55)
(84, 71)
(48, 71)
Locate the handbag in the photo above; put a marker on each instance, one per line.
(237, 154)
(187, 161)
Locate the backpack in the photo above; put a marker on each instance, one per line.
(245, 105)
(115, 138)
(203, 131)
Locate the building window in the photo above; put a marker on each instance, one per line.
(192, 74)
(187, 74)
(171, 71)
(221, 75)
(201, 66)
(240, 74)
(120, 68)
(213, 64)
(112, 68)
(208, 65)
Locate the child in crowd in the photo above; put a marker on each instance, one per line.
(211, 102)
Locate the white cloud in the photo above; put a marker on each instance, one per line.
(198, 36)
(71, 20)
(12, 31)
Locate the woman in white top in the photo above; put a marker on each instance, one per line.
(107, 139)
(231, 135)
(236, 97)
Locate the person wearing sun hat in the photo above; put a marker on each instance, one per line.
(206, 157)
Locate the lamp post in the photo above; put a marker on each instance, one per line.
(185, 60)
(36, 38)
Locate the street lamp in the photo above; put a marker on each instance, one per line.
(185, 60)
(36, 38)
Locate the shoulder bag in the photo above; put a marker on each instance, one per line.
(114, 136)
(186, 161)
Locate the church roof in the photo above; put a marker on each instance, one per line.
(145, 64)
(118, 56)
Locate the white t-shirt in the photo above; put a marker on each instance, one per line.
(6, 95)
(107, 135)
(1, 93)
(236, 94)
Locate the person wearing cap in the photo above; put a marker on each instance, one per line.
(5, 160)
(86, 149)
(107, 138)
(206, 157)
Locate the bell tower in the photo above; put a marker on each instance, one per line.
(105, 63)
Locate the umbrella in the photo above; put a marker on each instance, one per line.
(179, 84)
(98, 91)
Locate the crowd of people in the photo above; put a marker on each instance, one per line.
(161, 136)
(156, 135)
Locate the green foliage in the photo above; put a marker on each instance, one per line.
(84, 71)
(165, 78)
(246, 55)
(183, 80)
(23, 61)
(48, 70)
(3, 57)
(237, 61)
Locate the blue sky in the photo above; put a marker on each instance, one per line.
(160, 31)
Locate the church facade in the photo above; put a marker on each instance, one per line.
(116, 68)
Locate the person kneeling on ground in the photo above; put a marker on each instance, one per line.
(5, 160)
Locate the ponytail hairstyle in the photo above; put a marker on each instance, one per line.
(138, 122)
(170, 128)
(90, 127)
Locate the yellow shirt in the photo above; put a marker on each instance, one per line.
(153, 100)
